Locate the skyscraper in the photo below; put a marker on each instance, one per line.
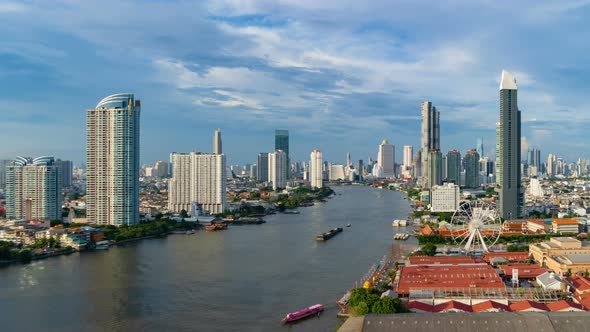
(454, 167)
(33, 189)
(112, 157)
(360, 169)
(479, 147)
(551, 165)
(262, 169)
(386, 158)
(348, 162)
(408, 162)
(430, 136)
(282, 143)
(65, 168)
(435, 176)
(472, 169)
(198, 178)
(316, 164)
(217, 146)
(277, 163)
(508, 150)
(3, 165)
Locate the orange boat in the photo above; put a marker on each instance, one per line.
(216, 227)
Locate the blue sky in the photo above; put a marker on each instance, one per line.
(340, 75)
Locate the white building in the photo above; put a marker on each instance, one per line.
(112, 157)
(200, 178)
(535, 188)
(408, 161)
(316, 164)
(337, 172)
(549, 281)
(444, 198)
(277, 165)
(217, 145)
(386, 158)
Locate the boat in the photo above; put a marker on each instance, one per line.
(403, 223)
(102, 245)
(189, 232)
(348, 225)
(329, 234)
(315, 309)
(215, 227)
(395, 223)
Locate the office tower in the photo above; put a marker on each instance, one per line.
(430, 136)
(530, 157)
(217, 146)
(417, 164)
(282, 143)
(3, 165)
(33, 189)
(407, 162)
(386, 158)
(444, 168)
(434, 172)
(112, 158)
(479, 147)
(198, 178)
(277, 163)
(316, 163)
(360, 169)
(472, 169)
(65, 169)
(508, 150)
(337, 172)
(348, 162)
(551, 165)
(453, 167)
(161, 169)
(262, 171)
(537, 159)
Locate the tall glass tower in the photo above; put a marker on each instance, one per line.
(430, 137)
(282, 143)
(112, 156)
(510, 196)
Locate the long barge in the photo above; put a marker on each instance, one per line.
(329, 234)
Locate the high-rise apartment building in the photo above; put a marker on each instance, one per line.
(262, 169)
(65, 169)
(316, 165)
(551, 165)
(508, 176)
(472, 169)
(479, 147)
(4, 163)
(217, 146)
(282, 143)
(112, 158)
(161, 169)
(434, 173)
(198, 178)
(430, 136)
(33, 189)
(408, 162)
(454, 167)
(277, 163)
(386, 158)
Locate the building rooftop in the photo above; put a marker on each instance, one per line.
(508, 82)
(429, 260)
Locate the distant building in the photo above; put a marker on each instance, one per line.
(472, 169)
(454, 167)
(65, 169)
(434, 174)
(217, 145)
(198, 178)
(563, 226)
(337, 172)
(277, 163)
(3, 164)
(386, 158)
(430, 136)
(282, 143)
(316, 163)
(161, 169)
(262, 169)
(444, 198)
(408, 163)
(479, 147)
(33, 189)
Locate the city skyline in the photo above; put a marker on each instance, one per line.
(287, 75)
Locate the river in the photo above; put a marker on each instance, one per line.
(243, 279)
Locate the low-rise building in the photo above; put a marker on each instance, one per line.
(569, 263)
(538, 226)
(549, 281)
(557, 246)
(563, 226)
(444, 198)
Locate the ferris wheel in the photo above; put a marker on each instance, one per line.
(476, 226)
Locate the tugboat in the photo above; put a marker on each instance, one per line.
(329, 234)
(303, 313)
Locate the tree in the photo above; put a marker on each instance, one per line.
(25, 256)
(429, 249)
(183, 213)
(362, 309)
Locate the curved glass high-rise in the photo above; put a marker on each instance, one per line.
(112, 155)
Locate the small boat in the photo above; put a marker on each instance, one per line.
(102, 245)
(303, 313)
(215, 227)
(403, 223)
(395, 223)
(348, 225)
(189, 232)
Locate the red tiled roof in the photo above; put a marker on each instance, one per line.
(429, 260)
(452, 306)
(488, 305)
(448, 277)
(565, 222)
(525, 271)
(515, 256)
(419, 306)
(580, 284)
(584, 300)
(537, 222)
(527, 305)
(564, 305)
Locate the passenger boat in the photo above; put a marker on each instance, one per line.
(403, 223)
(329, 234)
(303, 313)
(216, 227)
(102, 245)
(395, 223)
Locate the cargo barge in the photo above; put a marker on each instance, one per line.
(329, 234)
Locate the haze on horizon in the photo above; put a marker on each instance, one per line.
(339, 75)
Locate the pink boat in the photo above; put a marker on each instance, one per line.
(300, 314)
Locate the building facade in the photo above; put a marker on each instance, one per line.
(262, 169)
(112, 158)
(472, 169)
(316, 165)
(282, 143)
(65, 169)
(198, 178)
(386, 158)
(277, 164)
(444, 198)
(430, 136)
(508, 145)
(453, 173)
(217, 146)
(434, 174)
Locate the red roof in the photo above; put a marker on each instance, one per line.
(516, 256)
(584, 300)
(429, 260)
(537, 222)
(527, 305)
(490, 306)
(564, 305)
(470, 276)
(565, 222)
(452, 306)
(580, 284)
(525, 271)
(416, 305)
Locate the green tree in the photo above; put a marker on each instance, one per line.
(25, 255)
(429, 249)
(362, 309)
(183, 213)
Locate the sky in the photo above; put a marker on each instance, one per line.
(340, 75)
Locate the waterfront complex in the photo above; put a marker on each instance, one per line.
(33, 189)
(508, 181)
(197, 178)
(386, 159)
(430, 137)
(282, 143)
(112, 158)
(316, 165)
(217, 147)
(277, 163)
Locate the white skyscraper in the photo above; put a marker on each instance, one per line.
(217, 146)
(316, 165)
(408, 161)
(277, 165)
(386, 158)
(112, 156)
(198, 178)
